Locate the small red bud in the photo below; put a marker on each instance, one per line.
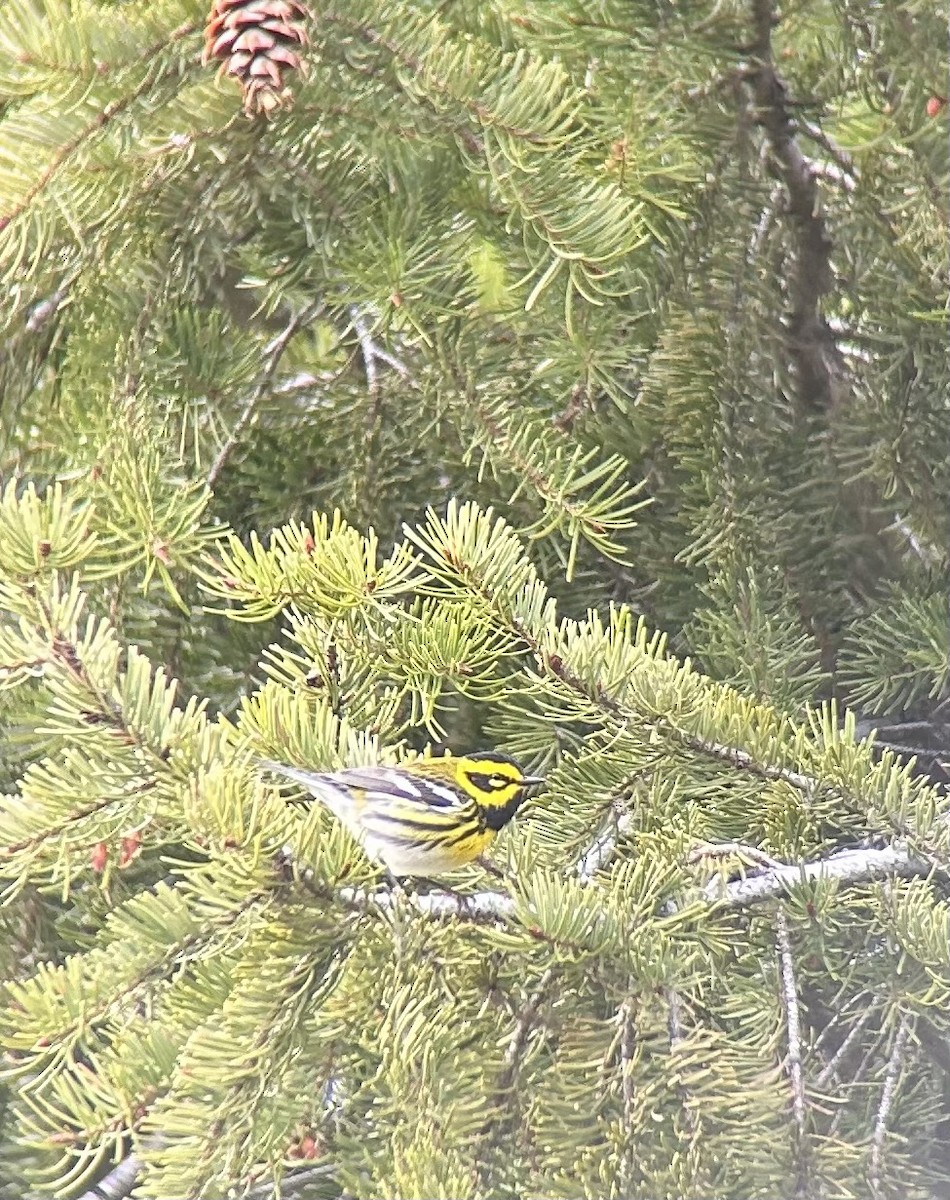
(99, 857)
(935, 105)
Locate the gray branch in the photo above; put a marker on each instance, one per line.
(792, 1021)
(888, 1092)
(847, 868)
(811, 343)
(118, 1183)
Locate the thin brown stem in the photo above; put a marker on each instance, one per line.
(273, 353)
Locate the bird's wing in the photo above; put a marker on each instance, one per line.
(356, 792)
(413, 811)
(391, 784)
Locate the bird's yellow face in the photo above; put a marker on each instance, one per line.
(496, 783)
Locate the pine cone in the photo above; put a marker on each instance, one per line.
(256, 40)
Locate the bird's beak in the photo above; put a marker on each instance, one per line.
(531, 780)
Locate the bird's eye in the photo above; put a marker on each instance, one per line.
(499, 781)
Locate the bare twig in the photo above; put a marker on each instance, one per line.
(745, 762)
(674, 1032)
(367, 348)
(628, 1048)
(888, 1092)
(764, 223)
(793, 1022)
(514, 1052)
(602, 849)
(372, 350)
(729, 849)
(440, 906)
(929, 554)
(295, 1182)
(837, 153)
(811, 342)
(495, 1131)
(848, 868)
(45, 310)
(273, 352)
(830, 1069)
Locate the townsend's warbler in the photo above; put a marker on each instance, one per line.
(426, 817)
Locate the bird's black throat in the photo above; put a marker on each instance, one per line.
(497, 816)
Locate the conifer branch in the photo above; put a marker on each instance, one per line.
(811, 342)
(273, 352)
(829, 1071)
(413, 63)
(54, 830)
(122, 1179)
(746, 762)
(888, 1092)
(793, 1025)
(628, 1047)
(102, 119)
(674, 1033)
(846, 868)
(732, 755)
(496, 1130)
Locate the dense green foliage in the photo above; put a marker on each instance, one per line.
(565, 376)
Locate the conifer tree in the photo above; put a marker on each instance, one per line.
(562, 376)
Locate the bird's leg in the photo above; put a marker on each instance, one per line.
(487, 865)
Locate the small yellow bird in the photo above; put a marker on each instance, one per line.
(427, 817)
